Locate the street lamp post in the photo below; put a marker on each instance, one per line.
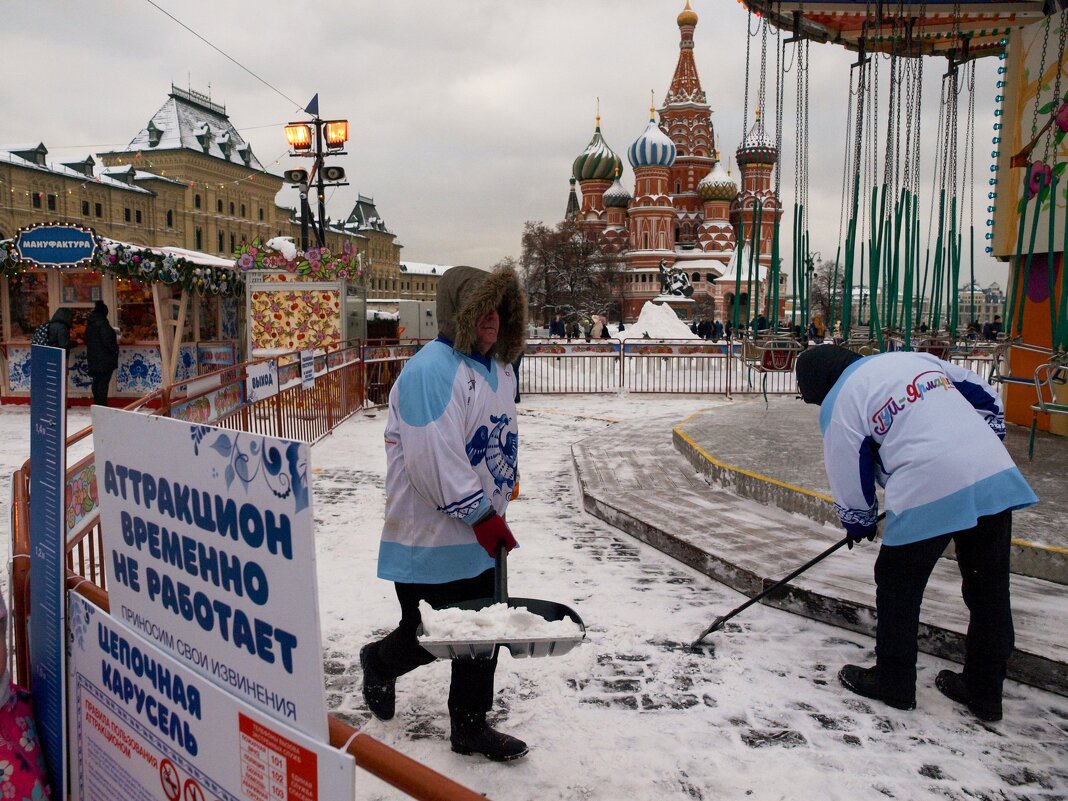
(299, 135)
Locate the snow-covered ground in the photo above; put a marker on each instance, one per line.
(632, 713)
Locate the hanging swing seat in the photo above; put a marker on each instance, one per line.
(1000, 364)
(774, 354)
(862, 345)
(936, 346)
(1047, 378)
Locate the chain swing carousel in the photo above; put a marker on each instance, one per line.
(901, 292)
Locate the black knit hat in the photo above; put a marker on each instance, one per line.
(819, 368)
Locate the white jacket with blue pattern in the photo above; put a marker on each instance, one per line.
(451, 454)
(928, 431)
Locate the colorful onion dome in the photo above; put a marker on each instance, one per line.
(688, 16)
(653, 148)
(598, 162)
(616, 196)
(717, 185)
(758, 147)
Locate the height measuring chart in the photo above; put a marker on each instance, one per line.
(48, 462)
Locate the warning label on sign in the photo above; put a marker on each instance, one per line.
(274, 768)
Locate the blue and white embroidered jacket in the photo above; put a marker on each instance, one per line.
(928, 431)
(451, 454)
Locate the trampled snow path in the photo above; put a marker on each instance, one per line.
(632, 713)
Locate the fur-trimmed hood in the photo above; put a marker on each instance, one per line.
(465, 294)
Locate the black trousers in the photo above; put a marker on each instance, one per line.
(100, 387)
(901, 575)
(399, 652)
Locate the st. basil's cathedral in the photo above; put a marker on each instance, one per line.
(686, 211)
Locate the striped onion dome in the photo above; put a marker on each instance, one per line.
(757, 147)
(717, 185)
(653, 148)
(598, 162)
(616, 196)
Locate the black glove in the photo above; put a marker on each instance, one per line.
(867, 533)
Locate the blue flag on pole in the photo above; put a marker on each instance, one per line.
(313, 106)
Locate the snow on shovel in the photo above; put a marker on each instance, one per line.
(475, 629)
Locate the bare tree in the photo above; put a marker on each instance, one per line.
(567, 272)
(824, 298)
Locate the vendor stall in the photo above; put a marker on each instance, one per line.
(295, 300)
(176, 311)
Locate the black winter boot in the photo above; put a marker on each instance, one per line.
(863, 681)
(379, 693)
(952, 686)
(472, 735)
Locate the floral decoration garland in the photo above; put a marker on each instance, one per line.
(133, 263)
(316, 263)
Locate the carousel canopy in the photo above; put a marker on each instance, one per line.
(908, 29)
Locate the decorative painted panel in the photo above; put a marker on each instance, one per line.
(210, 407)
(18, 370)
(187, 363)
(140, 370)
(79, 499)
(229, 317)
(295, 319)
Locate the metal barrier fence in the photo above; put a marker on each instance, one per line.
(646, 366)
(342, 378)
(679, 367)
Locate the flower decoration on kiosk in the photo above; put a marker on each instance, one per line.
(145, 265)
(320, 264)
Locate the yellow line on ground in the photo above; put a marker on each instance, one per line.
(713, 460)
(759, 476)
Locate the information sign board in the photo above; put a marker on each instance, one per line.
(48, 469)
(261, 380)
(145, 727)
(307, 368)
(55, 245)
(210, 553)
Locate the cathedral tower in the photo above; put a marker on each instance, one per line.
(756, 160)
(687, 118)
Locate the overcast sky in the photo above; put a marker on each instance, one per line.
(464, 115)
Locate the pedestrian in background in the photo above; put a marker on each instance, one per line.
(101, 350)
(931, 433)
(451, 465)
(59, 330)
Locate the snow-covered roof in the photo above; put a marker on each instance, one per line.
(191, 121)
(141, 175)
(64, 171)
(418, 268)
(195, 256)
(364, 215)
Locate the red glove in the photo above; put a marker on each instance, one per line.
(493, 531)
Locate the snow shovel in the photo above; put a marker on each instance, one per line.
(719, 621)
(518, 647)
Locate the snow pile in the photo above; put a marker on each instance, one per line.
(660, 322)
(498, 622)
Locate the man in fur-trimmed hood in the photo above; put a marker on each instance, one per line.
(451, 463)
(466, 294)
